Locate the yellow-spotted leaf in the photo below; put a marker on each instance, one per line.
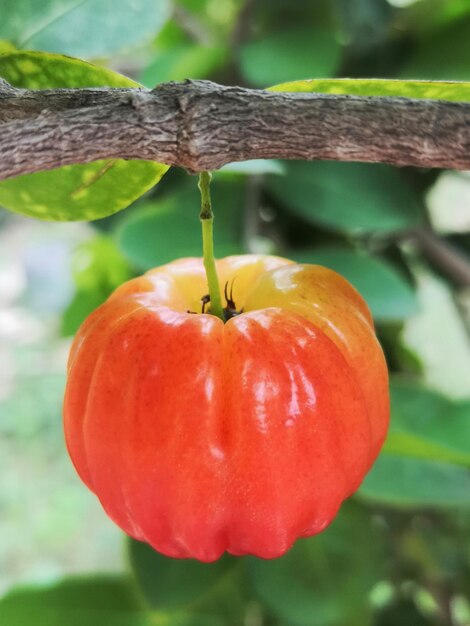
(434, 90)
(77, 192)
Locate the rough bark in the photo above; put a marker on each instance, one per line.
(200, 125)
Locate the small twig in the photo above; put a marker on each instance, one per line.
(443, 596)
(442, 255)
(240, 31)
(192, 26)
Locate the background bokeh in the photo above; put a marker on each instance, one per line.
(399, 551)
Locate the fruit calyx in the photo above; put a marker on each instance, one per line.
(229, 311)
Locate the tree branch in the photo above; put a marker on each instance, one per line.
(201, 126)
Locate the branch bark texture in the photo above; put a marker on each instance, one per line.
(200, 126)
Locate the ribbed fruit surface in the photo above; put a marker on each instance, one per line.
(201, 437)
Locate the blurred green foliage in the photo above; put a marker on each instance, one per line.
(158, 231)
(170, 584)
(98, 268)
(347, 196)
(398, 552)
(83, 29)
(94, 601)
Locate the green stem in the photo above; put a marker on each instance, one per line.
(207, 220)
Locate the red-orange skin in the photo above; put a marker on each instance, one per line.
(201, 437)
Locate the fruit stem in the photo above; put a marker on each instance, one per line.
(207, 220)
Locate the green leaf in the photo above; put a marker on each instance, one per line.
(437, 335)
(290, 54)
(84, 302)
(168, 583)
(98, 263)
(78, 192)
(405, 482)
(86, 28)
(160, 231)
(323, 580)
(90, 601)
(445, 55)
(457, 92)
(387, 293)
(426, 449)
(348, 197)
(253, 167)
(229, 600)
(426, 424)
(77, 601)
(40, 70)
(184, 61)
(95, 592)
(98, 268)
